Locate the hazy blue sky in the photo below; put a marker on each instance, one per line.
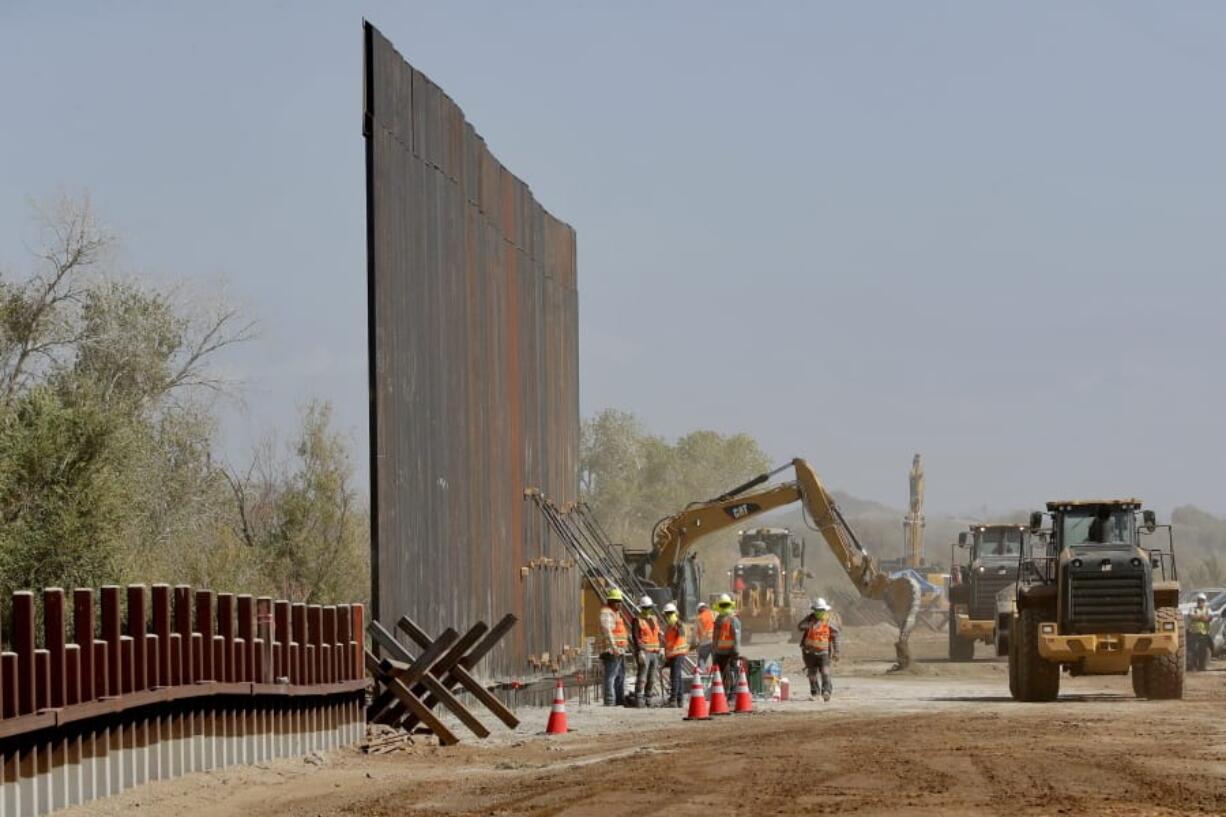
(993, 233)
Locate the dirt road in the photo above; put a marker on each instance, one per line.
(942, 739)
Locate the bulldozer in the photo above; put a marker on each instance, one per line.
(768, 580)
(1095, 599)
(992, 553)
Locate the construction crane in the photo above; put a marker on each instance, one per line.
(669, 566)
(913, 523)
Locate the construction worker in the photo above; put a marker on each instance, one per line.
(727, 640)
(645, 638)
(704, 634)
(1199, 645)
(676, 648)
(819, 646)
(614, 641)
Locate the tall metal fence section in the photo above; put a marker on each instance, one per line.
(473, 333)
(104, 691)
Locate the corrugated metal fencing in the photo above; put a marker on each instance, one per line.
(474, 376)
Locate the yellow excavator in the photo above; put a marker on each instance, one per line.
(669, 567)
(675, 535)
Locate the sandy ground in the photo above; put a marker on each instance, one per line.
(940, 739)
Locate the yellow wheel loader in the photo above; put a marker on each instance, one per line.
(1097, 600)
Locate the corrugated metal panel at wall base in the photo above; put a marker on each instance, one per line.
(473, 322)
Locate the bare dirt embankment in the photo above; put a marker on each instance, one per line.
(940, 739)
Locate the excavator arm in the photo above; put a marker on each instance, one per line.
(675, 535)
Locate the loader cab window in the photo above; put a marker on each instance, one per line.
(1098, 526)
(1000, 542)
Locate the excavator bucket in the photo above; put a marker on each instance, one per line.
(902, 598)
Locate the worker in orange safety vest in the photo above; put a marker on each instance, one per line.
(676, 648)
(704, 635)
(645, 639)
(819, 646)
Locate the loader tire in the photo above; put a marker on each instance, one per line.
(1164, 674)
(1138, 678)
(960, 649)
(1037, 678)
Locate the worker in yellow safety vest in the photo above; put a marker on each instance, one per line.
(1200, 647)
(819, 646)
(676, 648)
(645, 638)
(727, 640)
(614, 641)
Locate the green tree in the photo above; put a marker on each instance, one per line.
(105, 466)
(632, 478)
(301, 517)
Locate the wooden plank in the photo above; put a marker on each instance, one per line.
(378, 711)
(460, 674)
(442, 669)
(429, 680)
(419, 666)
(445, 736)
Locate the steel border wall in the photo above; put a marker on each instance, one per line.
(473, 351)
(136, 696)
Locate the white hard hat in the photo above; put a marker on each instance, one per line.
(670, 608)
(1201, 597)
(646, 601)
(702, 605)
(724, 598)
(821, 604)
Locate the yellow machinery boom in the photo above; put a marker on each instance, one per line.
(675, 535)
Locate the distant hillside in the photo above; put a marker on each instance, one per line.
(854, 506)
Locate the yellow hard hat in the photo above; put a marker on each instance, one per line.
(613, 595)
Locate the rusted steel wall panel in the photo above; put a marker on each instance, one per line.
(73, 730)
(473, 314)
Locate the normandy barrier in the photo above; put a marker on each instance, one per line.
(158, 682)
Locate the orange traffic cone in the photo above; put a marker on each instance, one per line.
(557, 715)
(698, 702)
(744, 701)
(719, 700)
